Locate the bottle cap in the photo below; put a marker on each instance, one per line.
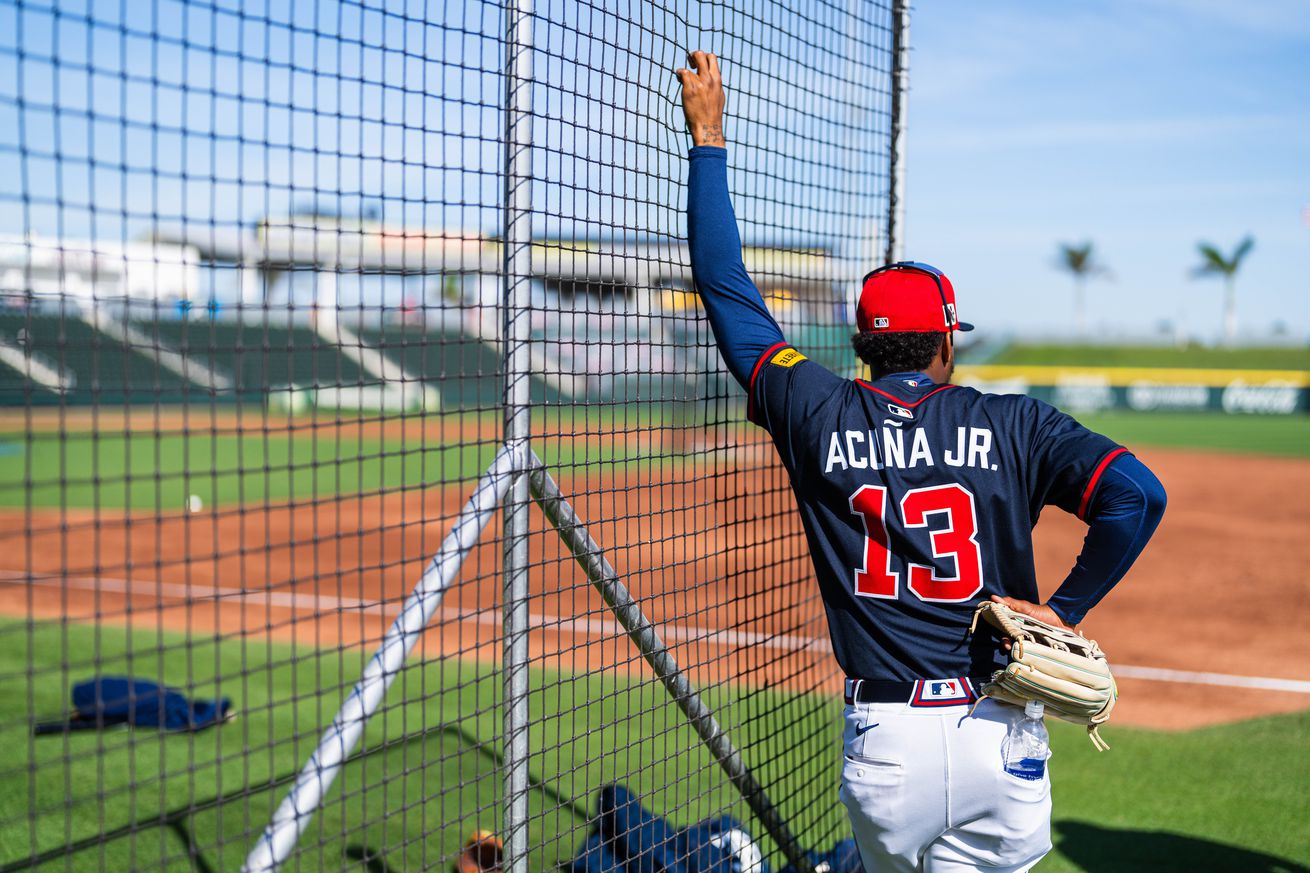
(1034, 709)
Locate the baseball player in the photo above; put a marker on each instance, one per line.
(918, 499)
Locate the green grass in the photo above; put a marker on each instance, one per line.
(433, 775)
(145, 470)
(1202, 357)
(1204, 800)
(1224, 798)
(148, 470)
(1285, 435)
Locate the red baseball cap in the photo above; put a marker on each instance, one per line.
(907, 297)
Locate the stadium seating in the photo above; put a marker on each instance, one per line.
(259, 357)
(14, 389)
(102, 369)
(466, 371)
(256, 358)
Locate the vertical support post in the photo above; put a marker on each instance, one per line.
(896, 164)
(517, 270)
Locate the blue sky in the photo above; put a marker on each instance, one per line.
(1143, 126)
(113, 123)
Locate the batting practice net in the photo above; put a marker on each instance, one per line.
(368, 473)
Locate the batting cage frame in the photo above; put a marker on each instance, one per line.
(516, 480)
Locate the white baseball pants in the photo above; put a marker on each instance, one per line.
(926, 790)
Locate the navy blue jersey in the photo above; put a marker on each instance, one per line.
(918, 502)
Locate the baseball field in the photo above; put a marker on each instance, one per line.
(275, 587)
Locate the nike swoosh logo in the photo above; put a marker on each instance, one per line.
(866, 728)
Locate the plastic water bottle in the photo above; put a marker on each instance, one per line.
(1027, 746)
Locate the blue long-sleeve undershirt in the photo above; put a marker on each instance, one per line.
(1129, 500)
(741, 322)
(1125, 511)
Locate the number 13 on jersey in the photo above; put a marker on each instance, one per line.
(953, 537)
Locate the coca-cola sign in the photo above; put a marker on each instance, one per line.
(1274, 397)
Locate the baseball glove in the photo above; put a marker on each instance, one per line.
(1068, 673)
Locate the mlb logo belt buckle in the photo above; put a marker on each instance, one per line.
(917, 692)
(943, 692)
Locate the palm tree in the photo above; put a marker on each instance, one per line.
(1213, 263)
(1082, 263)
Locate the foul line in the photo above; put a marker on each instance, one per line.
(1160, 674)
(321, 604)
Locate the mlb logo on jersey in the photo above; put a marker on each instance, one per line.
(942, 692)
(899, 411)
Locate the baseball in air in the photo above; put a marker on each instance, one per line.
(194, 503)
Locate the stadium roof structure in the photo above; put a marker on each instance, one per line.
(97, 268)
(318, 242)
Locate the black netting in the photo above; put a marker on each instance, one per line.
(252, 365)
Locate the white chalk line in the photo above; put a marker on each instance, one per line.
(322, 604)
(1190, 677)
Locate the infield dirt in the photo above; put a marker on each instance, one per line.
(1216, 591)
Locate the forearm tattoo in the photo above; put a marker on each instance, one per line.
(710, 134)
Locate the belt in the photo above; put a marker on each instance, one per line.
(952, 691)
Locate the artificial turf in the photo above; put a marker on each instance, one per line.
(1220, 798)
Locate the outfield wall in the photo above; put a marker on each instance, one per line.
(1145, 389)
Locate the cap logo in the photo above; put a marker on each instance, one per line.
(881, 322)
(951, 317)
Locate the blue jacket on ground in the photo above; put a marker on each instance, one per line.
(627, 838)
(111, 700)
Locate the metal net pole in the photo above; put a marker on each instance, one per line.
(900, 83)
(516, 301)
